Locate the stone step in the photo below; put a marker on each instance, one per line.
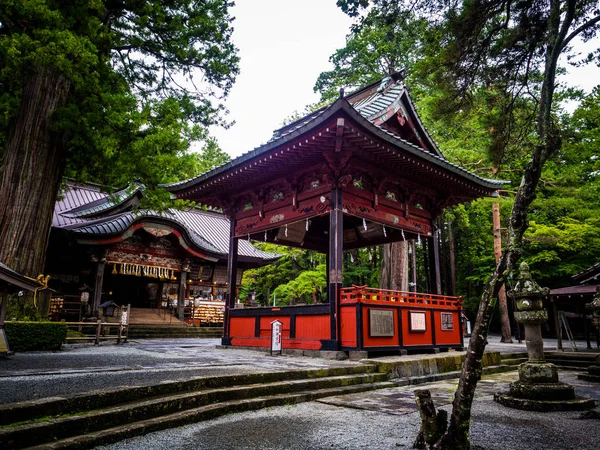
(201, 413)
(127, 416)
(514, 361)
(54, 406)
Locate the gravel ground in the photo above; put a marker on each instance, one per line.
(316, 425)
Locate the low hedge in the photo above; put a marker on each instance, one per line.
(27, 336)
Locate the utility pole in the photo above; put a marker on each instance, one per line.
(504, 320)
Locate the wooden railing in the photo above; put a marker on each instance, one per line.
(97, 331)
(362, 294)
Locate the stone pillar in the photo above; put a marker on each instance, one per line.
(185, 268)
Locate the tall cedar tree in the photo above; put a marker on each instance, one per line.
(520, 42)
(105, 90)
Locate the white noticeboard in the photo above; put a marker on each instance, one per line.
(276, 336)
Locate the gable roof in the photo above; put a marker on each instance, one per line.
(371, 108)
(89, 214)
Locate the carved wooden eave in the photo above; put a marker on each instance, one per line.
(387, 180)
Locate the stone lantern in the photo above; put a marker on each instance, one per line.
(538, 388)
(594, 370)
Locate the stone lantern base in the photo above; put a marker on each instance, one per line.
(538, 389)
(593, 372)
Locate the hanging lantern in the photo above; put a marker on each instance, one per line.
(121, 269)
(114, 271)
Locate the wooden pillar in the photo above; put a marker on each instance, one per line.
(436, 261)
(3, 305)
(4, 347)
(336, 262)
(98, 281)
(232, 261)
(181, 294)
(413, 266)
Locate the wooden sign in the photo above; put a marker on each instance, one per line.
(417, 322)
(381, 322)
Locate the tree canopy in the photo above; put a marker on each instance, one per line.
(110, 91)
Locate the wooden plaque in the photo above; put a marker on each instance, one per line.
(417, 321)
(447, 322)
(381, 323)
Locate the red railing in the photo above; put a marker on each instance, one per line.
(364, 294)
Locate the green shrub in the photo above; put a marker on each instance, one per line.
(27, 336)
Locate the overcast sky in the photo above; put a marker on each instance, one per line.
(284, 45)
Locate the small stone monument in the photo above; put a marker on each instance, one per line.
(538, 388)
(594, 370)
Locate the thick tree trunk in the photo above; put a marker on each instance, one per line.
(394, 267)
(452, 256)
(504, 319)
(31, 174)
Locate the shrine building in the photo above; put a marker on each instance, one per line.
(102, 249)
(360, 172)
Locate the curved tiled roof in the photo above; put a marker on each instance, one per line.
(206, 230)
(364, 105)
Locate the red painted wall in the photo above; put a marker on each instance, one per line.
(313, 327)
(369, 341)
(348, 336)
(241, 326)
(265, 326)
(410, 338)
(447, 337)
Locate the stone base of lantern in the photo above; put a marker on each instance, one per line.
(592, 375)
(538, 389)
(575, 404)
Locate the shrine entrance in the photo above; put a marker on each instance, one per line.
(358, 173)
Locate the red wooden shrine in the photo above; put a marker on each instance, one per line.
(360, 172)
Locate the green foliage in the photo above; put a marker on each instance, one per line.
(382, 43)
(308, 287)
(147, 78)
(293, 261)
(29, 336)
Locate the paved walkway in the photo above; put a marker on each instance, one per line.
(78, 369)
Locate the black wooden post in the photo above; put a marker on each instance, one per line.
(336, 254)
(98, 281)
(181, 293)
(231, 280)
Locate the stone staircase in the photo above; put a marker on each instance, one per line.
(98, 418)
(571, 360)
(146, 323)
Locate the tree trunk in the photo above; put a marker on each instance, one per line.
(504, 319)
(394, 267)
(384, 272)
(452, 256)
(31, 173)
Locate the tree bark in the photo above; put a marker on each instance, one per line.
(32, 170)
(452, 256)
(394, 267)
(504, 319)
